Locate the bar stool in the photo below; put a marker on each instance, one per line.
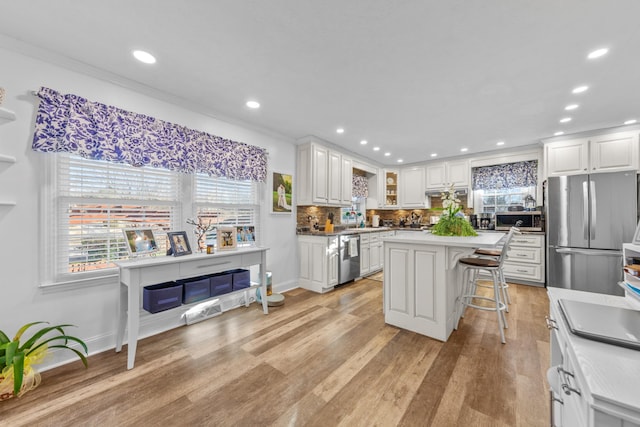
(495, 254)
(473, 265)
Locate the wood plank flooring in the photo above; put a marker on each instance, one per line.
(319, 360)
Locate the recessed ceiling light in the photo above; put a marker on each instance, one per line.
(364, 142)
(580, 89)
(143, 56)
(464, 149)
(598, 53)
(434, 154)
(387, 154)
(558, 133)
(400, 160)
(253, 104)
(565, 120)
(376, 148)
(630, 122)
(500, 143)
(571, 107)
(340, 130)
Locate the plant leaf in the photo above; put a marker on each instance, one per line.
(18, 372)
(80, 355)
(12, 350)
(24, 328)
(63, 337)
(3, 338)
(27, 345)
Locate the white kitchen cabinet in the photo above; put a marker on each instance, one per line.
(525, 260)
(322, 176)
(412, 187)
(319, 257)
(365, 252)
(442, 175)
(592, 384)
(602, 153)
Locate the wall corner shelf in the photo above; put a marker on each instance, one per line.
(6, 115)
(7, 159)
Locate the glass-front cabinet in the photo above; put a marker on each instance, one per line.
(389, 196)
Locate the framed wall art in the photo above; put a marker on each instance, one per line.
(282, 193)
(179, 243)
(246, 234)
(226, 238)
(140, 241)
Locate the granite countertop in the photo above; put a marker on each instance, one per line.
(483, 239)
(350, 230)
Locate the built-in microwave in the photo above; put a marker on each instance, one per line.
(524, 220)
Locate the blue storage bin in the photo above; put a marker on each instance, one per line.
(241, 279)
(195, 289)
(220, 283)
(162, 296)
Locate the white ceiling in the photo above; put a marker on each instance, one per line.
(412, 77)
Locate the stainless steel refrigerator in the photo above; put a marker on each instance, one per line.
(588, 218)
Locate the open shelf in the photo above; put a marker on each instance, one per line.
(6, 115)
(7, 159)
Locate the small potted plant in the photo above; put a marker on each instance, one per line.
(17, 359)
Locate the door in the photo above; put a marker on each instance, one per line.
(613, 209)
(568, 211)
(590, 270)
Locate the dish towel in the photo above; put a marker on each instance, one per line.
(353, 247)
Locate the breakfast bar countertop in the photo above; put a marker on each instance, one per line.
(426, 238)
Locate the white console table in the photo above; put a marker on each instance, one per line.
(135, 274)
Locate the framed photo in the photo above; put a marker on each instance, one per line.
(226, 238)
(179, 243)
(246, 234)
(282, 193)
(140, 241)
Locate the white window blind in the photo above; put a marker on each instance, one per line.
(227, 202)
(96, 200)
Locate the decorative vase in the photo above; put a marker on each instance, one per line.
(31, 380)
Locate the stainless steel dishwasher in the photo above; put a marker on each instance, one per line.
(349, 262)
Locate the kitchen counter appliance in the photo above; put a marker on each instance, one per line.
(524, 220)
(349, 260)
(588, 217)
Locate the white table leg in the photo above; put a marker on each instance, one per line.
(133, 316)
(263, 282)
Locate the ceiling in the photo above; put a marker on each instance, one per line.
(412, 77)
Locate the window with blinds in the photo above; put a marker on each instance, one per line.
(226, 202)
(96, 200)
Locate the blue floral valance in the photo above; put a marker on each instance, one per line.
(507, 175)
(360, 186)
(72, 124)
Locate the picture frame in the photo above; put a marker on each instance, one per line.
(179, 243)
(282, 195)
(140, 241)
(246, 234)
(226, 238)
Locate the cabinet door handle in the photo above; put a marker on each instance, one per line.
(566, 387)
(521, 271)
(551, 324)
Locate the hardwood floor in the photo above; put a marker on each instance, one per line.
(319, 360)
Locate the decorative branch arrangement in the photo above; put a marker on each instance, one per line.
(201, 229)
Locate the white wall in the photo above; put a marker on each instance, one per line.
(94, 309)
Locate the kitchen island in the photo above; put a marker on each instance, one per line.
(422, 280)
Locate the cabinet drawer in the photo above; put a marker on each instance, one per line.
(209, 266)
(374, 237)
(532, 240)
(251, 259)
(531, 272)
(522, 254)
(364, 238)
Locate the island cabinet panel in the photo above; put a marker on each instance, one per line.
(425, 284)
(399, 295)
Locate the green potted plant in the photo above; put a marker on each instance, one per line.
(17, 359)
(452, 222)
